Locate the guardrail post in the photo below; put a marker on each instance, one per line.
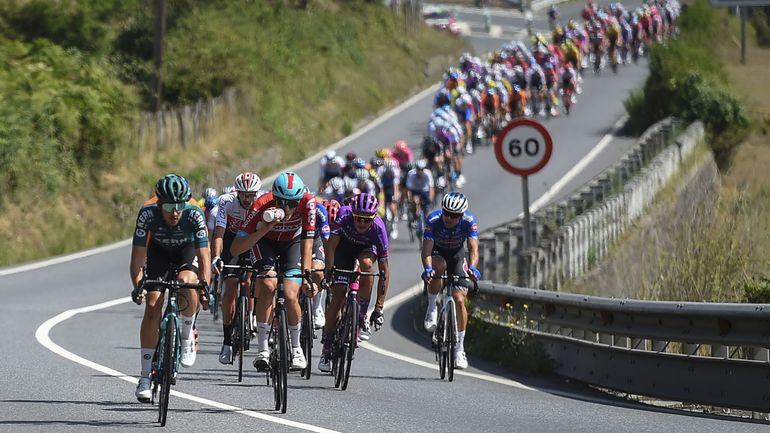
(502, 249)
(761, 354)
(561, 213)
(489, 256)
(577, 203)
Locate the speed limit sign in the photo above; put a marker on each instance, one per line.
(523, 147)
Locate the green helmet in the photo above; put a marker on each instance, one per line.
(172, 188)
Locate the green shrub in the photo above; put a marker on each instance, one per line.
(757, 291)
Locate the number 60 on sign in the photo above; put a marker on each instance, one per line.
(523, 147)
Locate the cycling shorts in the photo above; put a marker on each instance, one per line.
(318, 249)
(389, 194)
(160, 262)
(346, 257)
(271, 255)
(424, 199)
(456, 264)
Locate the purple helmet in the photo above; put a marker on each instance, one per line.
(364, 204)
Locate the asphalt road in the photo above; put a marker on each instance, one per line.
(394, 384)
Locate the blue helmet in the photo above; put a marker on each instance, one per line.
(288, 186)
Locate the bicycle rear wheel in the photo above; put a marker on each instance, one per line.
(451, 328)
(241, 317)
(306, 337)
(338, 354)
(167, 368)
(351, 335)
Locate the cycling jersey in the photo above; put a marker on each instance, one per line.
(419, 183)
(450, 238)
(191, 229)
(376, 236)
(322, 220)
(231, 214)
(331, 167)
(302, 222)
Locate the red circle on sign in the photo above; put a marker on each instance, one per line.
(500, 141)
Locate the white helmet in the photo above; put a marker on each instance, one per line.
(454, 202)
(247, 182)
(330, 154)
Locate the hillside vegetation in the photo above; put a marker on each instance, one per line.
(75, 75)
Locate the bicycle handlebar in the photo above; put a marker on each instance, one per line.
(357, 273)
(174, 284)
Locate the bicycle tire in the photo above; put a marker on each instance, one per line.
(167, 369)
(283, 358)
(240, 326)
(306, 337)
(351, 335)
(441, 345)
(338, 354)
(451, 327)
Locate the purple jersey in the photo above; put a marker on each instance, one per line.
(376, 236)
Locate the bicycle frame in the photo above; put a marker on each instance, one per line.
(445, 337)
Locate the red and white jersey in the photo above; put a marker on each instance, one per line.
(300, 224)
(230, 212)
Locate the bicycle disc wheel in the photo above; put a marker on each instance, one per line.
(283, 358)
(351, 335)
(167, 369)
(451, 327)
(240, 327)
(306, 337)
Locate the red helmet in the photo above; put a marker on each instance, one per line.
(333, 208)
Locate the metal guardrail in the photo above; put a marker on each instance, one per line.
(705, 353)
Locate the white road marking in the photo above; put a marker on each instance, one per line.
(42, 337)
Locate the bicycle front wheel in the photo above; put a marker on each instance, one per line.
(241, 318)
(441, 346)
(351, 337)
(306, 337)
(167, 368)
(451, 333)
(283, 359)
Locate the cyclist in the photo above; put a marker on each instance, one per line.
(210, 209)
(359, 234)
(233, 208)
(420, 190)
(170, 233)
(287, 241)
(331, 166)
(443, 248)
(319, 259)
(390, 179)
(402, 153)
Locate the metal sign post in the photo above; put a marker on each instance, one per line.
(742, 7)
(523, 148)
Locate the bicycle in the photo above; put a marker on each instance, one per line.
(215, 296)
(445, 335)
(167, 357)
(308, 334)
(346, 331)
(280, 355)
(241, 326)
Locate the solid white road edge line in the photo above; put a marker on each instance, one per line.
(42, 337)
(64, 259)
(540, 202)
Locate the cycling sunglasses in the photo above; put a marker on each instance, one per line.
(280, 202)
(170, 207)
(363, 218)
(451, 215)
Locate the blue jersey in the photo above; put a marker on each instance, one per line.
(447, 238)
(322, 221)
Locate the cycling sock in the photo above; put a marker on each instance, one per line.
(228, 330)
(364, 308)
(432, 301)
(146, 361)
(460, 340)
(186, 329)
(294, 334)
(262, 330)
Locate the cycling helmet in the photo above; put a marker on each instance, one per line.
(382, 152)
(364, 204)
(443, 97)
(172, 188)
(210, 192)
(288, 186)
(389, 163)
(336, 183)
(228, 189)
(376, 162)
(330, 154)
(210, 202)
(421, 164)
(247, 182)
(359, 163)
(401, 145)
(454, 202)
(362, 174)
(350, 156)
(333, 208)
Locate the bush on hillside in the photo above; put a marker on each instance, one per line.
(760, 20)
(61, 119)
